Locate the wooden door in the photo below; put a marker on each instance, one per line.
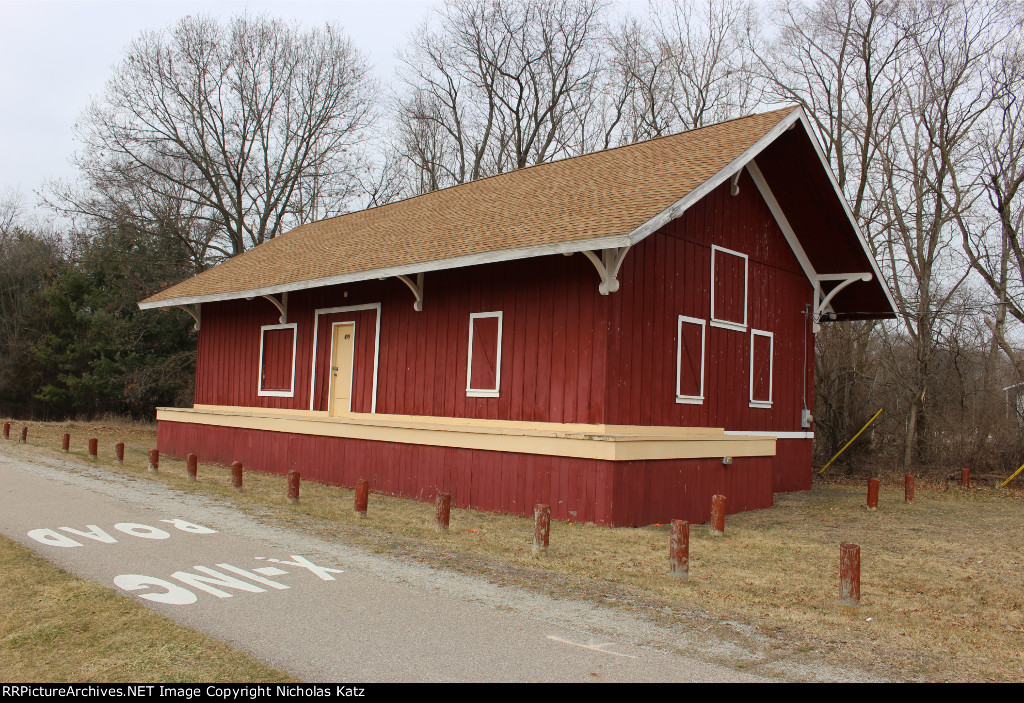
(342, 362)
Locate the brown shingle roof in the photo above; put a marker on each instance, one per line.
(528, 212)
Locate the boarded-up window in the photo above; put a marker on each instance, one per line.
(761, 349)
(277, 360)
(483, 376)
(690, 361)
(728, 289)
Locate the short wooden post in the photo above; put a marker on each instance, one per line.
(908, 489)
(94, 448)
(965, 478)
(541, 528)
(293, 487)
(362, 500)
(7, 430)
(154, 460)
(443, 511)
(717, 526)
(873, 494)
(119, 452)
(65, 442)
(192, 466)
(24, 434)
(849, 574)
(679, 550)
(236, 475)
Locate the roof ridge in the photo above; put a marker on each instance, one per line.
(544, 163)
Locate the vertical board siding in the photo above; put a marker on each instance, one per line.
(620, 494)
(568, 355)
(669, 274)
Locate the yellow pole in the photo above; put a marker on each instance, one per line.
(851, 441)
(1003, 484)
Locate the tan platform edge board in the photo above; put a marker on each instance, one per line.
(603, 442)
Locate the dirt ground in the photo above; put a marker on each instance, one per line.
(942, 577)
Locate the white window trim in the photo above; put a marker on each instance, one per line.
(730, 324)
(376, 349)
(754, 403)
(484, 392)
(290, 393)
(689, 399)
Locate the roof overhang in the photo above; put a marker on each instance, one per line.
(825, 282)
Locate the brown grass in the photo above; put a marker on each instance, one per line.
(943, 580)
(61, 629)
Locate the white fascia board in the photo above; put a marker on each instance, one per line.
(683, 204)
(645, 230)
(421, 267)
(846, 208)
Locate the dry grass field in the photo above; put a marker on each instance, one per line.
(61, 629)
(942, 577)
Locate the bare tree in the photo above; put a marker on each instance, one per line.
(225, 134)
(990, 208)
(495, 86)
(924, 146)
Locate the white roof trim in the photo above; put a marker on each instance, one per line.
(846, 208)
(645, 230)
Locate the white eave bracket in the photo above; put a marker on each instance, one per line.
(608, 266)
(281, 305)
(821, 304)
(416, 288)
(196, 314)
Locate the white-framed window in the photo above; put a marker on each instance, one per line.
(728, 289)
(762, 349)
(277, 360)
(483, 367)
(690, 360)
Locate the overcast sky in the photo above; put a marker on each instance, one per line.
(54, 55)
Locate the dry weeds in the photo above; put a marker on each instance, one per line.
(942, 583)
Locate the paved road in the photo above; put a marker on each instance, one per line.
(320, 610)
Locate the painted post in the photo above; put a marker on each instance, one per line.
(849, 574)
(94, 448)
(65, 443)
(154, 460)
(119, 452)
(541, 528)
(717, 526)
(362, 496)
(236, 475)
(7, 430)
(293, 487)
(873, 494)
(192, 466)
(679, 550)
(24, 434)
(443, 511)
(908, 489)
(965, 478)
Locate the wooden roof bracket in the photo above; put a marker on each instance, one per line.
(821, 303)
(734, 189)
(281, 305)
(196, 314)
(416, 288)
(608, 267)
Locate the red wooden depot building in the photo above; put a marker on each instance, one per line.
(620, 335)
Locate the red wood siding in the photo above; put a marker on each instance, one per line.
(277, 359)
(626, 494)
(669, 274)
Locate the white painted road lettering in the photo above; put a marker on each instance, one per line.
(216, 582)
(172, 595)
(52, 538)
